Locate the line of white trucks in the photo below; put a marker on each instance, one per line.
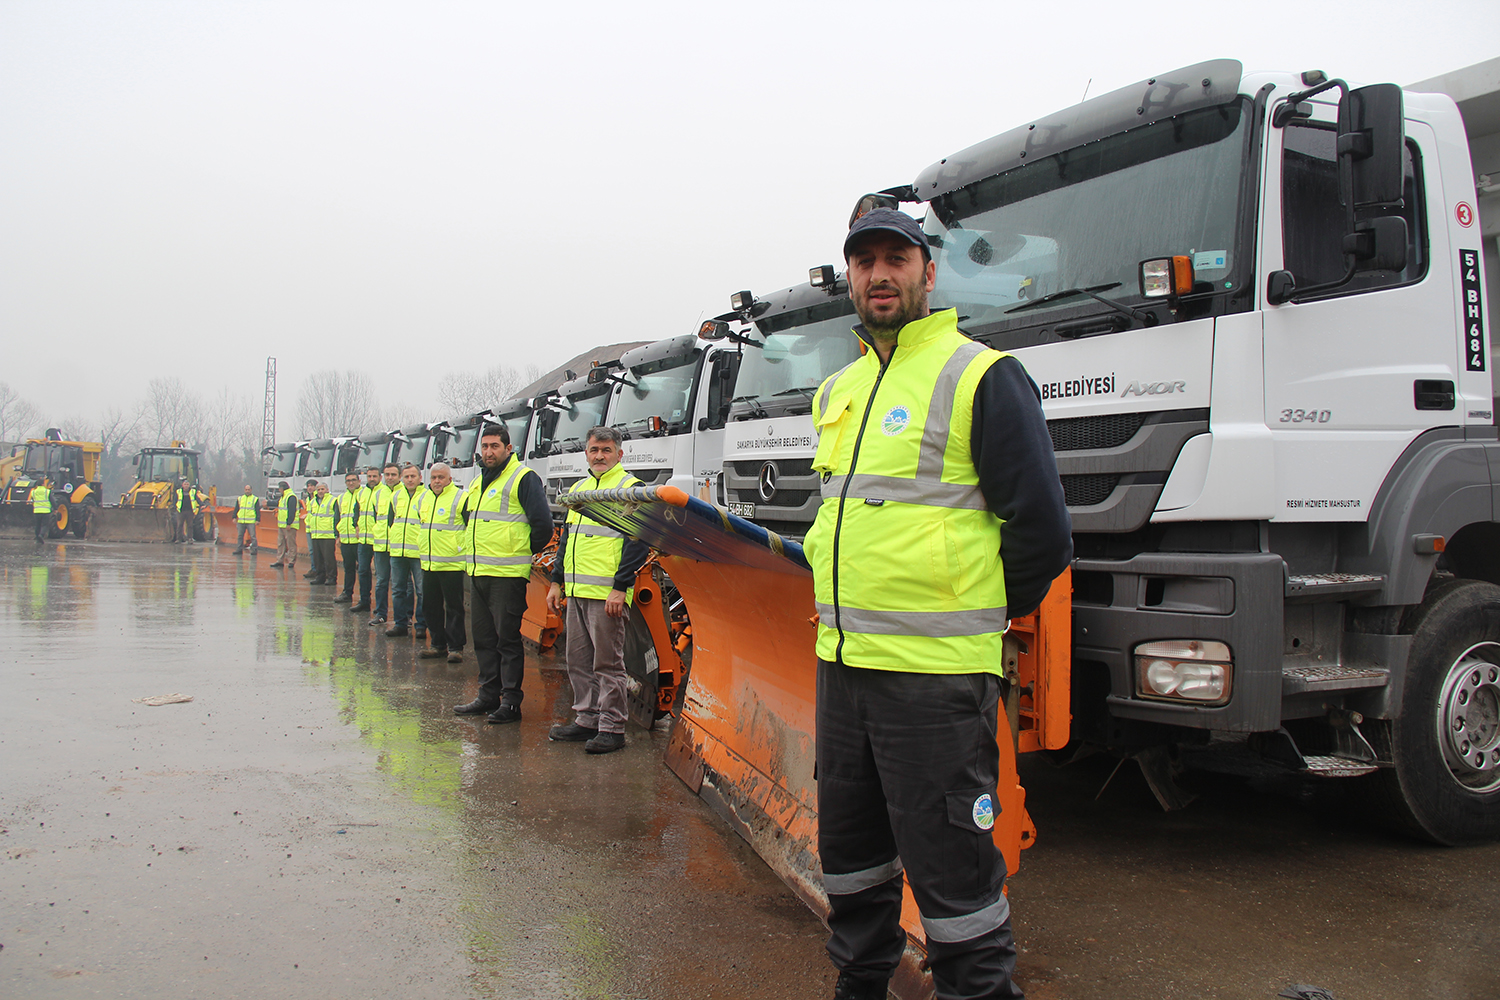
(1256, 307)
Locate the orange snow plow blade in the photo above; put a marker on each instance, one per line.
(266, 533)
(744, 739)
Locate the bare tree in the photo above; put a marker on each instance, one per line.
(470, 392)
(170, 412)
(334, 402)
(18, 418)
(230, 437)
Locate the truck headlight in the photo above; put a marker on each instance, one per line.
(1184, 670)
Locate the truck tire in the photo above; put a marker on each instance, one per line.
(640, 670)
(1445, 746)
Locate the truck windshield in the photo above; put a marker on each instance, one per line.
(319, 460)
(166, 468)
(664, 394)
(516, 425)
(415, 452)
(39, 458)
(459, 446)
(1087, 217)
(369, 453)
(284, 463)
(802, 348)
(573, 424)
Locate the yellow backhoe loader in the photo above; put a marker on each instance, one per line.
(146, 512)
(73, 469)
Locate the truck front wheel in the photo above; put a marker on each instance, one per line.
(1445, 747)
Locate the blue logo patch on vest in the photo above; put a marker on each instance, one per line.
(896, 420)
(984, 812)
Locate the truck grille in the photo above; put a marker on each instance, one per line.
(1107, 431)
(1085, 491)
(783, 498)
(784, 466)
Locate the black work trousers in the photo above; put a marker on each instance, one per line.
(907, 769)
(350, 553)
(325, 561)
(443, 605)
(497, 604)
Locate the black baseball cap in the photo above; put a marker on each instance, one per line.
(890, 220)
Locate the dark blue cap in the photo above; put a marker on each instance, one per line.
(890, 220)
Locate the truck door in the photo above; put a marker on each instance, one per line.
(1349, 374)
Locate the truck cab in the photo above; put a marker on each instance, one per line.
(1254, 309)
(668, 400)
(413, 445)
(520, 419)
(456, 442)
(789, 343)
(564, 418)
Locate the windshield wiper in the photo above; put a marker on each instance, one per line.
(753, 400)
(1068, 293)
(808, 390)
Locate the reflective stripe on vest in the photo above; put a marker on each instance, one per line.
(594, 550)
(344, 523)
(907, 572)
(320, 513)
(497, 538)
(364, 521)
(440, 529)
(248, 512)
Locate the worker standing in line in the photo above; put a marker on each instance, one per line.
(364, 551)
(287, 507)
(309, 503)
(595, 571)
(440, 546)
(346, 530)
(323, 537)
(935, 461)
(378, 519)
(185, 506)
(406, 562)
(246, 517)
(506, 522)
(41, 508)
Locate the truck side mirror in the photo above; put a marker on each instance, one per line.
(1371, 132)
(1378, 244)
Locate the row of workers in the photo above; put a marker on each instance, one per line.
(414, 544)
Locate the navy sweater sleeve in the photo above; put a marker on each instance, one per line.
(562, 553)
(1018, 476)
(533, 497)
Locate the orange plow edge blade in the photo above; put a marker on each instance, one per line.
(745, 737)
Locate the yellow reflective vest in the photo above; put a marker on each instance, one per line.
(287, 506)
(246, 509)
(497, 536)
(907, 573)
(192, 493)
(374, 519)
(344, 510)
(593, 551)
(404, 528)
(41, 499)
(363, 524)
(320, 513)
(440, 529)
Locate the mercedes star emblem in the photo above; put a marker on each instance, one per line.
(767, 481)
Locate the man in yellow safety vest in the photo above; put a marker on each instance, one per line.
(595, 571)
(440, 537)
(378, 515)
(364, 552)
(246, 515)
(935, 460)
(41, 508)
(184, 510)
(506, 522)
(403, 534)
(287, 509)
(322, 537)
(346, 529)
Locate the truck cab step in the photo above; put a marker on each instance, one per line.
(1338, 767)
(1320, 586)
(1303, 680)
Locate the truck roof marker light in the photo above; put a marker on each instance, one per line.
(1166, 277)
(821, 276)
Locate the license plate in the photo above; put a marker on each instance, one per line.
(742, 509)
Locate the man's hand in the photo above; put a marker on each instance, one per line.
(614, 604)
(554, 599)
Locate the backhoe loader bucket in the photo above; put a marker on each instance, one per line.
(130, 524)
(17, 521)
(744, 739)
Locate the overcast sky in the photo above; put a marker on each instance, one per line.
(412, 188)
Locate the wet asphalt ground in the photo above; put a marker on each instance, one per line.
(317, 823)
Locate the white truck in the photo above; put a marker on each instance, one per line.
(1255, 306)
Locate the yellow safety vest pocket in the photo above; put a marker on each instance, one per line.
(833, 423)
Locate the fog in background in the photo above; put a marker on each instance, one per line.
(417, 204)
